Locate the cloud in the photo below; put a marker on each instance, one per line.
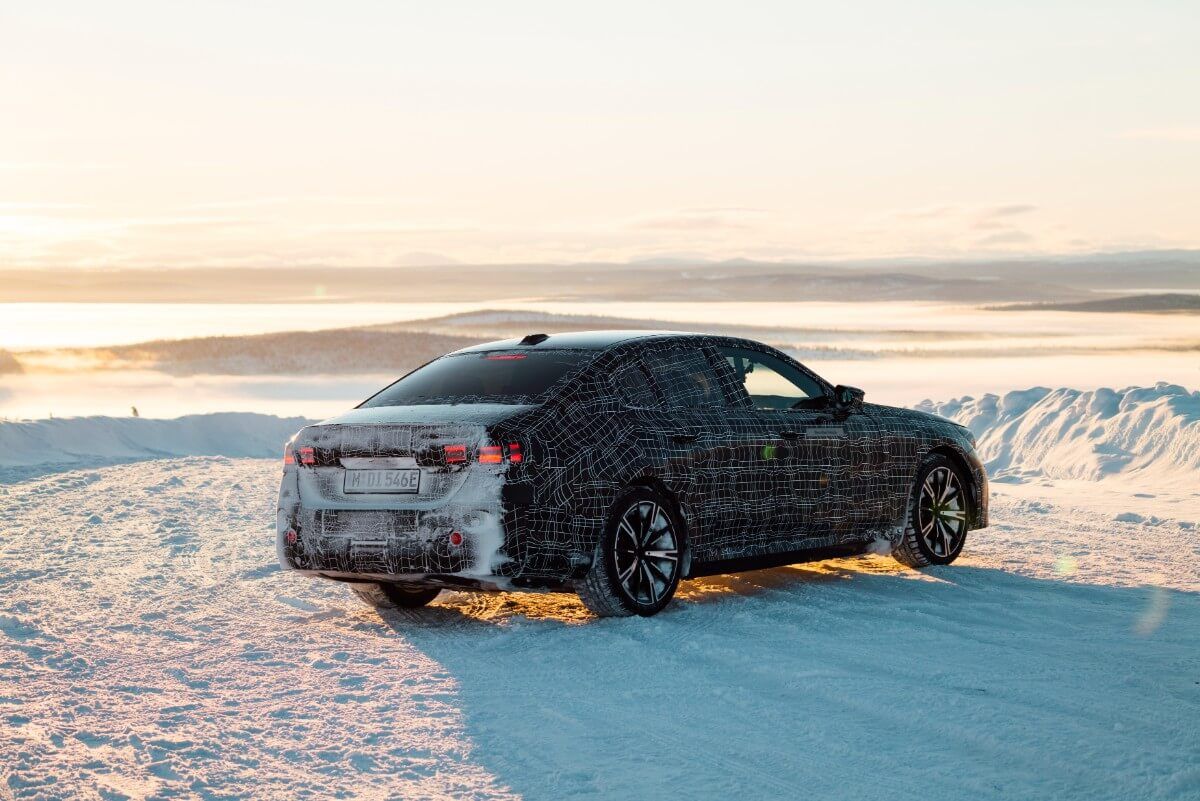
(684, 222)
(1177, 134)
(751, 210)
(392, 228)
(418, 258)
(184, 223)
(51, 166)
(35, 206)
(728, 218)
(285, 200)
(1010, 210)
(923, 213)
(1010, 237)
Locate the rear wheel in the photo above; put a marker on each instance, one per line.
(937, 515)
(394, 596)
(636, 568)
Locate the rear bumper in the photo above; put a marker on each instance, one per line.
(458, 532)
(394, 543)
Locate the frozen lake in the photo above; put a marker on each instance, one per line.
(900, 352)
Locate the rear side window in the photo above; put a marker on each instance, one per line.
(633, 386)
(685, 378)
(485, 377)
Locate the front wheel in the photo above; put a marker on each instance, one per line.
(637, 564)
(394, 596)
(936, 528)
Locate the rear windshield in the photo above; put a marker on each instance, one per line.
(484, 377)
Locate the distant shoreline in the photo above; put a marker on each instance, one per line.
(1160, 303)
(1049, 280)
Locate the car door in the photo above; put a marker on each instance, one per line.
(802, 447)
(697, 436)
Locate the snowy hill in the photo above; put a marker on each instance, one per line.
(1068, 433)
(91, 440)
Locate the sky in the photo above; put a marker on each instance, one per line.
(395, 133)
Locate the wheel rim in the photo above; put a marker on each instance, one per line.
(646, 552)
(942, 512)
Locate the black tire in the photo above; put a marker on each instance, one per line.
(639, 559)
(939, 515)
(394, 596)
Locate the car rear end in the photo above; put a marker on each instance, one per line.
(418, 492)
(395, 499)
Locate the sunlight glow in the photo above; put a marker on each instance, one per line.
(166, 134)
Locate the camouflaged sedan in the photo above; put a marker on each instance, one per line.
(614, 464)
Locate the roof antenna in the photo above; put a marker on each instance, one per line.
(535, 339)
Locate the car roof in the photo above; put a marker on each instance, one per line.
(574, 340)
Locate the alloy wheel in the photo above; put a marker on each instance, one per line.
(942, 512)
(646, 552)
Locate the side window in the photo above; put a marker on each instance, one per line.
(685, 378)
(770, 382)
(633, 386)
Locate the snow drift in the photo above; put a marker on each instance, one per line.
(1068, 433)
(74, 440)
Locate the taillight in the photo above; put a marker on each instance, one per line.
(307, 455)
(487, 454)
(289, 455)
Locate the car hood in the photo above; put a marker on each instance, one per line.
(469, 413)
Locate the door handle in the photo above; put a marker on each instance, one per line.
(685, 436)
(790, 434)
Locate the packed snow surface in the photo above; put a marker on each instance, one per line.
(150, 647)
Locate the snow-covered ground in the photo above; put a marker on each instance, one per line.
(151, 648)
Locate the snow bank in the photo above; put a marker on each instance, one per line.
(90, 439)
(1068, 433)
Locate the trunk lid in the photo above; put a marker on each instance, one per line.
(399, 438)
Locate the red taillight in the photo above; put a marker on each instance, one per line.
(289, 455)
(307, 455)
(455, 538)
(487, 454)
(504, 357)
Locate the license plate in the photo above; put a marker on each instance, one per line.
(382, 481)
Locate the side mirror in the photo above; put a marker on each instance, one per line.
(848, 399)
